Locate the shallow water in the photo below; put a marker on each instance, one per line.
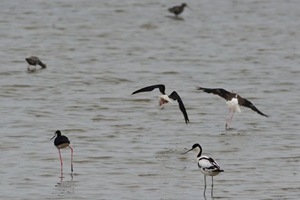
(125, 147)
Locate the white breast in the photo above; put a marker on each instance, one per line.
(165, 98)
(233, 104)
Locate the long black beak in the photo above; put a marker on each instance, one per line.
(187, 151)
(53, 137)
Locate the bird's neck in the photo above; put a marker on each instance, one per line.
(198, 152)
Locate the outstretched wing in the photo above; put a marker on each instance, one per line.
(177, 98)
(247, 103)
(150, 88)
(218, 91)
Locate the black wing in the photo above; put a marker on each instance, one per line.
(247, 103)
(176, 97)
(150, 88)
(218, 91)
(61, 140)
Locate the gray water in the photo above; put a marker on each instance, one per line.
(99, 52)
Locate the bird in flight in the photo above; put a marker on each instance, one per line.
(163, 98)
(233, 100)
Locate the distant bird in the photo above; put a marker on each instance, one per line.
(60, 142)
(207, 165)
(163, 98)
(33, 61)
(178, 9)
(233, 100)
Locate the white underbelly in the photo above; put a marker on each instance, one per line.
(209, 173)
(233, 105)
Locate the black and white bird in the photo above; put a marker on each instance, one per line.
(163, 98)
(60, 142)
(176, 10)
(208, 166)
(33, 61)
(233, 100)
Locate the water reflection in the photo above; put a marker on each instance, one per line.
(65, 187)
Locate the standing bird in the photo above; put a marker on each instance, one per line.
(163, 98)
(60, 142)
(207, 165)
(233, 100)
(178, 9)
(33, 61)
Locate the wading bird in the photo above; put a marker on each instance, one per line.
(208, 166)
(33, 61)
(176, 10)
(163, 98)
(60, 142)
(233, 100)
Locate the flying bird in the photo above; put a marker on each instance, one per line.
(33, 61)
(233, 100)
(178, 9)
(163, 98)
(208, 166)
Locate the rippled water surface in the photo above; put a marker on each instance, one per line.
(99, 52)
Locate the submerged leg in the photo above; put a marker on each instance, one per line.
(212, 186)
(204, 185)
(71, 158)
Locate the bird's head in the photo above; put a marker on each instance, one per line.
(57, 133)
(185, 5)
(196, 147)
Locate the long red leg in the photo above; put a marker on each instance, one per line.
(71, 158)
(229, 119)
(61, 163)
(232, 116)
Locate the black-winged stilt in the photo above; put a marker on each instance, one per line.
(233, 100)
(60, 142)
(163, 98)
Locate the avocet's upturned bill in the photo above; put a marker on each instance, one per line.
(207, 165)
(233, 100)
(163, 98)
